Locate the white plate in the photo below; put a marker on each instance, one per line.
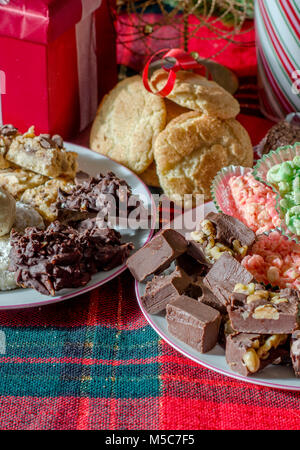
(91, 163)
(280, 377)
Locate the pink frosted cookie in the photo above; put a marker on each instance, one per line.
(255, 203)
(274, 259)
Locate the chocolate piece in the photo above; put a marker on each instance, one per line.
(283, 133)
(163, 289)
(8, 131)
(157, 255)
(224, 275)
(193, 268)
(60, 257)
(102, 195)
(295, 352)
(81, 177)
(220, 233)
(210, 299)
(229, 228)
(264, 312)
(197, 251)
(249, 353)
(194, 323)
(194, 290)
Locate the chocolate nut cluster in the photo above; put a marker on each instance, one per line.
(62, 257)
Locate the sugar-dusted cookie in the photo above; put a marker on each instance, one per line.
(150, 176)
(174, 110)
(127, 122)
(193, 148)
(197, 93)
(43, 198)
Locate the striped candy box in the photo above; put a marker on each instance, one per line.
(278, 53)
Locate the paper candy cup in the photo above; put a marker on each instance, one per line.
(260, 171)
(220, 190)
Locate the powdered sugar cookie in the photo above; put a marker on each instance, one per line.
(127, 122)
(193, 148)
(195, 92)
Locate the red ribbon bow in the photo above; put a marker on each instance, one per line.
(183, 61)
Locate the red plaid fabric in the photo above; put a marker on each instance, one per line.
(92, 362)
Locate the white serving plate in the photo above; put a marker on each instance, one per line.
(275, 376)
(91, 163)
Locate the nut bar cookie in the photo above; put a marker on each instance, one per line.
(193, 148)
(43, 154)
(256, 310)
(220, 233)
(295, 352)
(250, 353)
(7, 134)
(157, 255)
(194, 323)
(43, 198)
(162, 289)
(16, 181)
(224, 275)
(197, 93)
(128, 121)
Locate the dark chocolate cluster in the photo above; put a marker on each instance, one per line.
(62, 257)
(93, 195)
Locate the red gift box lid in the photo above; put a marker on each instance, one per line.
(42, 20)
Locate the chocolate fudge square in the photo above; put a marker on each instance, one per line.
(295, 352)
(162, 289)
(224, 275)
(217, 234)
(248, 353)
(262, 311)
(193, 322)
(157, 255)
(230, 229)
(208, 298)
(192, 267)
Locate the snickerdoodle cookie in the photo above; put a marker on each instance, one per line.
(127, 122)
(174, 110)
(193, 148)
(150, 176)
(197, 93)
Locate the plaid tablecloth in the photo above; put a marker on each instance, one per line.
(92, 362)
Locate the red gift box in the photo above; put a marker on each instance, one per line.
(57, 60)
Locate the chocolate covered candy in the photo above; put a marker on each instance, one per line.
(224, 275)
(248, 353)
(295, 352)
(162, 289)
(256, 310)
(217, 234)
(193, 322)
(230, 229)
(157, 255)
(208, 298)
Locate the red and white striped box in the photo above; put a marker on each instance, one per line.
(278, 56)
(57, 60)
